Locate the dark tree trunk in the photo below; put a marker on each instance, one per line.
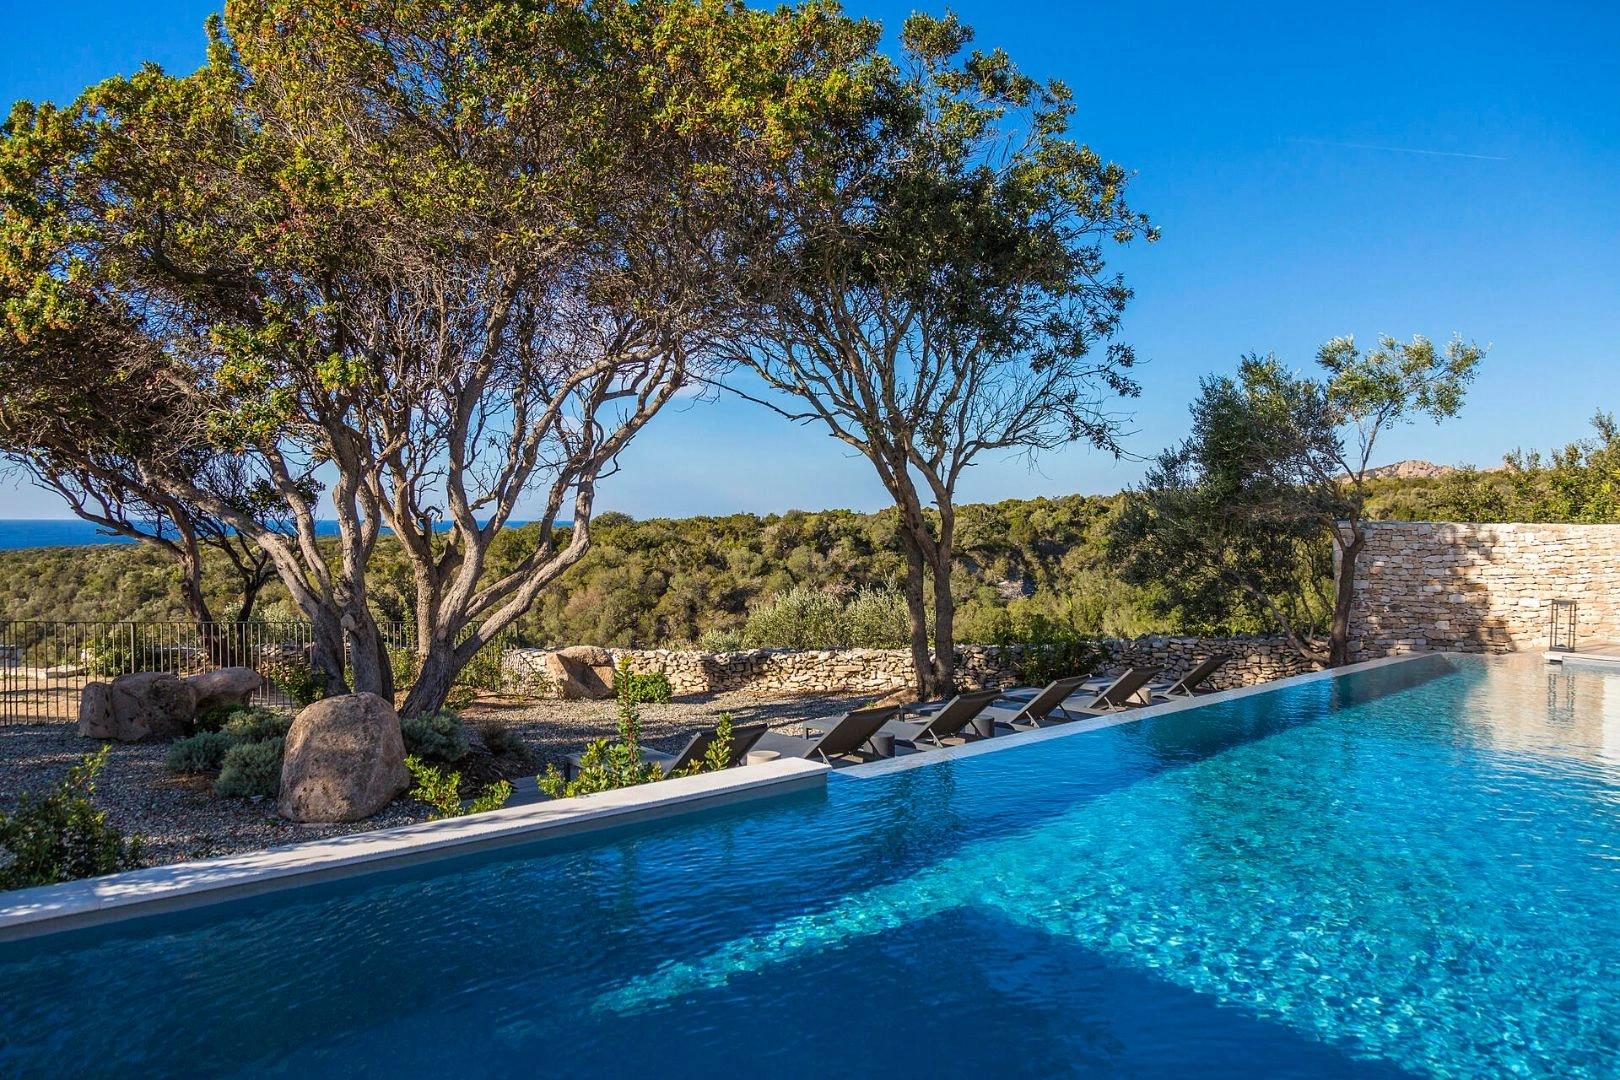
(921, 662)
(1344, 596)
(944, 666)
(435, 675)
(327, 652)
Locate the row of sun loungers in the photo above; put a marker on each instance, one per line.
(875, 732)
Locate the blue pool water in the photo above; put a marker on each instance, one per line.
(1410, 871)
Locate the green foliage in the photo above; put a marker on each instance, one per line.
(62, 836)
(213, 719)
(606, 765)
(1247, 511)
(254, 724)
(718, 756)
(249, 769)
(806, 618)
(200, 753)
(442, 791)
(404, 664)
(649, 688)
(439, 737)
(297, 682)
(1046, 649)
(108, 656)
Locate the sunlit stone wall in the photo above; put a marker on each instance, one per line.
(784, 672)
(1482, 588)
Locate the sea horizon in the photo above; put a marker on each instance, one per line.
(21, 534)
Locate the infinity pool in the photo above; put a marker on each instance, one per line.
(1414, 870)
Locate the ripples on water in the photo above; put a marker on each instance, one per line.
(1411, 871)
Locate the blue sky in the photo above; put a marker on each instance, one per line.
(1391, 168)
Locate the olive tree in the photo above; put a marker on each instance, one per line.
(942, 295)
(1265, 502)
(451, 257)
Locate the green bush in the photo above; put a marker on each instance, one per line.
(254, 724)
(403, 663)
(296, 681)
(726, 640)
(250, 768)
(108, 657)
(442, 791)
(877, 619)
(651, 688)
(800, 618)
(440, 737)
(200, 753)
(63, 836)
(803, 618)
(1047, 649)
(213, 719)
(501, 740)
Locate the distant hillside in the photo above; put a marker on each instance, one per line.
(1411, 469)
(673, 580)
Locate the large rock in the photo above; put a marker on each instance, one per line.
(344, 760)
(145, 705)
(95, 711)
(581, 671)
(223, 687)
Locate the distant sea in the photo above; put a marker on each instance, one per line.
(71, 532)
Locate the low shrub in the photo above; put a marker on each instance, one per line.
(106, 658)
(440, 737)
(213, 719)
(721, 641)
(501, 740)
(249, 769)
(200, 753)
(1047, 649)
(296, 681)
(254, 724)
(62, 836)
(403, 663)
(442, 791)
(651, 688)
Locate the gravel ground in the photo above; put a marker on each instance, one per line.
(179, 817)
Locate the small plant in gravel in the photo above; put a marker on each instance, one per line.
(440, 737)
(501, 740)
(203, 752)
(442, 791)
(249, 769)
(62, 836)
(651, 688)
(605, 765)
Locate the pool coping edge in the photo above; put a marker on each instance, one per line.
(49, 909)
(873, 769)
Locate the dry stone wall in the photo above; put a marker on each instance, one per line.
(1481, 588)
(784, 672)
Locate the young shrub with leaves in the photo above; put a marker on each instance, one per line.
(605, 765)
(62, 836)
(718, 755)
(442, 791)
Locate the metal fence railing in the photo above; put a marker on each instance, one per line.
(44, 665)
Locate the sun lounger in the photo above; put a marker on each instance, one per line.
(944, 721)
(742, 740)
(1124, 692)
(849, 734)
(1191, 683)
(1037, 708)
